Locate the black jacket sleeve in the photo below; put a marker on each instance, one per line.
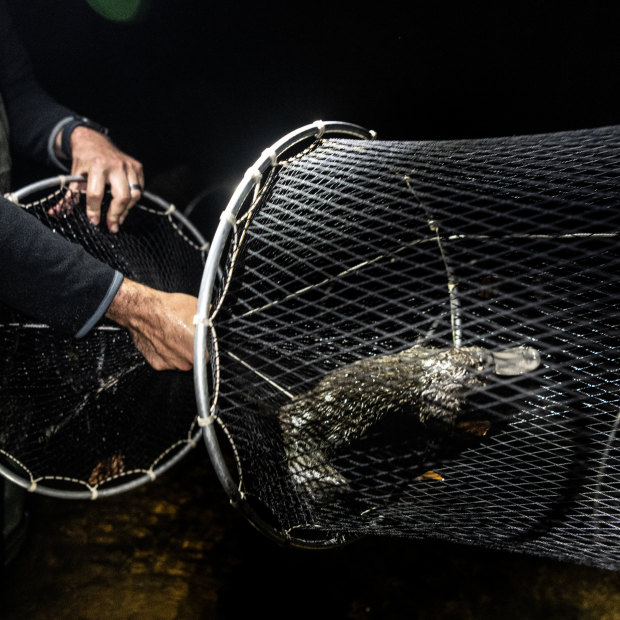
(49, 278)
(31, 112)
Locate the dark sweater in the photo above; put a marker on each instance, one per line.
(43, 275)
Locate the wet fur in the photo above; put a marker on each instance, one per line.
(431, 384)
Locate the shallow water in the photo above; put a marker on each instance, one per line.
(175, 548)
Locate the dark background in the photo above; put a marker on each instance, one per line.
(197, 89)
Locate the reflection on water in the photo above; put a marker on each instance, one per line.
(177, 549)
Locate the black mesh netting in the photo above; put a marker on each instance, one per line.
(90, 416)
(362, 249)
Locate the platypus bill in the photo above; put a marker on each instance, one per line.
(431, 384)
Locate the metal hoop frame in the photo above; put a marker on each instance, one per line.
(251, 181)
(166, 207)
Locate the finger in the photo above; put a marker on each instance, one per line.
(95, 188)
(121, 199)
(149, 351)
(157, 362)
(76, 187)
(68, 200)
(72, 196)
(135, 177)
(140, 173)
(135, 191)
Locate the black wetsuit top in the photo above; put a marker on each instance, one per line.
(43, 275)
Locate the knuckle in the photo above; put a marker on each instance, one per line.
(96, 193)
(120, 202)
(158, 364)
(97, 162)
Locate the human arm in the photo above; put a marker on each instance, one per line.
(56, 282)
(38, 124)
(34, 116)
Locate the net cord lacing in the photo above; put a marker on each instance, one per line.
(229, 223)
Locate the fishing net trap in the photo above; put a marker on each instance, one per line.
(412, 339)
(85, 418)
(419, 339)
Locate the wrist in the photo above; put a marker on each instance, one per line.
(131, 304)
(65, 140)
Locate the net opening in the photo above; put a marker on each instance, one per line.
(419, 339)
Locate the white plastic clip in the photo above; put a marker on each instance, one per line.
(94, 493)
(228, 217)
(203, 422)
(320, 125)
(273, 156)
(202, 320)
(254, 173)
(170, 209)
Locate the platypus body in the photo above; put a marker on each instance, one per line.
(429, 383)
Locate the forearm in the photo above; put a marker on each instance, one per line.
(135, 306)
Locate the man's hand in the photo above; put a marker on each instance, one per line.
(161, 324)
(95, 157)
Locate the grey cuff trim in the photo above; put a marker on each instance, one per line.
(103, 306)
(52, 139)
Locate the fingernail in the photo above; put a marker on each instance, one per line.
(113, 226)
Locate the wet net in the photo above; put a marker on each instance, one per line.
(420, 339)
(90, 417)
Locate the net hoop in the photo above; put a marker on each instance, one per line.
(62, 180)
(137, 478)
(251, 182)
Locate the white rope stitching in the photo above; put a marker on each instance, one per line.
(234, 449)
(229, 217)
(320, 125)
(216, 363)
(202, 320)
(273, 156)
(254, 173)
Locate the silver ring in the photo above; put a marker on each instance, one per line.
(136, 186)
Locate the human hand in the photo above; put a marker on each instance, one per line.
(97, 159)
(161, 324)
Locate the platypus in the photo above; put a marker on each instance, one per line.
(431, 384)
